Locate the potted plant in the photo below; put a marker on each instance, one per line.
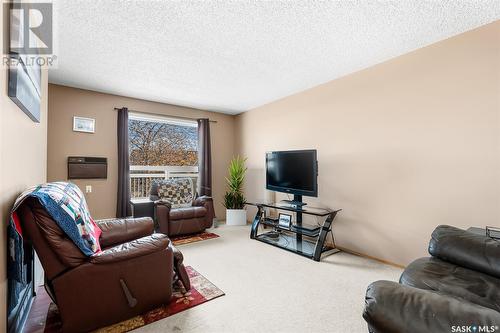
(234, 200)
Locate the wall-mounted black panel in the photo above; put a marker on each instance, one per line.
(87, 167)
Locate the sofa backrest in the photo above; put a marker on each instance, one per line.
(153, 192)
(466, 249)
(56, 251)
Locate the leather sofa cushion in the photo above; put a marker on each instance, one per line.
(187, 213)
(186, 227)
(446, 278)
(466, 249)
(136, 248)
(116, 231)
(394, 308)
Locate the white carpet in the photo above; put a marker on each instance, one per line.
(272, 290)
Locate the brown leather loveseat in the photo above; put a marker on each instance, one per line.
(132, 275)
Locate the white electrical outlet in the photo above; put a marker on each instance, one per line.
(88, 189)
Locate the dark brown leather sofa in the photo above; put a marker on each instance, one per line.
(179, 221)
(455, 290)
(133, 274)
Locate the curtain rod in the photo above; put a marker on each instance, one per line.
(165, 115)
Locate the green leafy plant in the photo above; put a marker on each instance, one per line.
(234, 198)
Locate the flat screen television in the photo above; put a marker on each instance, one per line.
(293, 171)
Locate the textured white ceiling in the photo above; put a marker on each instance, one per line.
(232, 56)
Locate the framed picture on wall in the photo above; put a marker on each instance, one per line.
(24, 73)
(24, 86)
(81, 124)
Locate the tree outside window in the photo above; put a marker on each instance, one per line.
(160, 148)
(162, 144)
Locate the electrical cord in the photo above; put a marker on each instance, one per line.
(278, 231)
(317, 222)
(287, 242)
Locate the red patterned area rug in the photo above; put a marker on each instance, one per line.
(193, 238)
(201, 291)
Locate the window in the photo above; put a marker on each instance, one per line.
(160, 147)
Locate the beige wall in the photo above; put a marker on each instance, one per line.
(403, 146)
(66, 102)
(23, 161)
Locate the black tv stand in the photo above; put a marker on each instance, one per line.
(308, 242)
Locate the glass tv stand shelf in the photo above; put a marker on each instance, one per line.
(300, 239)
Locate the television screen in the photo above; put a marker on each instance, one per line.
(294, 171)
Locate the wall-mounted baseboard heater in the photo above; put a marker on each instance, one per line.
(80, 167)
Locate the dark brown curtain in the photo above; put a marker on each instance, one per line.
(204, 158)
(123, 208)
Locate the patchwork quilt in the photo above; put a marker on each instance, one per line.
(66, 204)
(179, 192)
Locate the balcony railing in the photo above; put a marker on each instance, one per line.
(142, 176)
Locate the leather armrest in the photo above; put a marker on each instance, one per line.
(163, 203)
(208, 203)
(137, 248)
(162, 215)
(202, 201)
(466, 249)
(394, 308)
(117, 231)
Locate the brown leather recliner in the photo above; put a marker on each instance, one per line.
(457, 289)
(182, 221)
(132, 275)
